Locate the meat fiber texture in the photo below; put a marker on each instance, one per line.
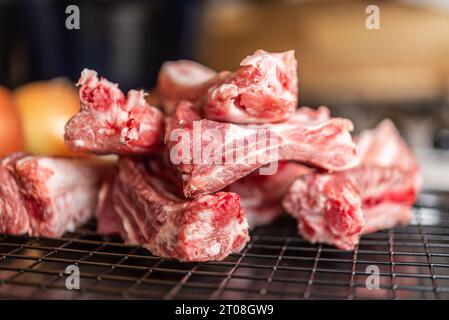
(183, 80)
(263, 90)
(43, 196)
(13, 215)
(337, 208)
(261, 195)
(110, 123)
(145, 209)
(210, 155)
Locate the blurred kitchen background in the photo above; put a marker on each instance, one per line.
(400, 71)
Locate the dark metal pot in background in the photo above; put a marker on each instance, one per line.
(125, 41)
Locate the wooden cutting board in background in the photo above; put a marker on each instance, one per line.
(340, 60)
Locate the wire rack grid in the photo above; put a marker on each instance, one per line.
(413, 263)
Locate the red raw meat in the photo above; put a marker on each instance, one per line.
(109, 122)
(386, 215)
(384, 147)
(152, 214)
(378, 194)
(261, 195)
(13, 215)
(328, 208)
(307, 137)
(264, 89)
(108, 222)
(49, 196)
(183, 80)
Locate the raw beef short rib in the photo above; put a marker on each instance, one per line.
(327, 207)
(48, 196)
(264, 89)
(13, 215)
(183, 80)
(110, 123)
(261, 195)
(307, 137)
(152, 214)
(337, 208)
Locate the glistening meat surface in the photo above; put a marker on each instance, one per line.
(152, 214)
(109, 122)
(13, 215)
(261, 195)
(51, 195)
(337, 208)
(264, 89)
(183, 80)
(210, 155)
(328, 208)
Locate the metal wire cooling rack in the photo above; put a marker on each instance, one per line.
(276, 264)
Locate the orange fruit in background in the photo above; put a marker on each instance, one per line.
(11, 135)
(45, 107)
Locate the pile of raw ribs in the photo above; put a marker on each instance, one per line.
(219, 150)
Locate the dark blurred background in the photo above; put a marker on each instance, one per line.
(125, 40)
(400, 71)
